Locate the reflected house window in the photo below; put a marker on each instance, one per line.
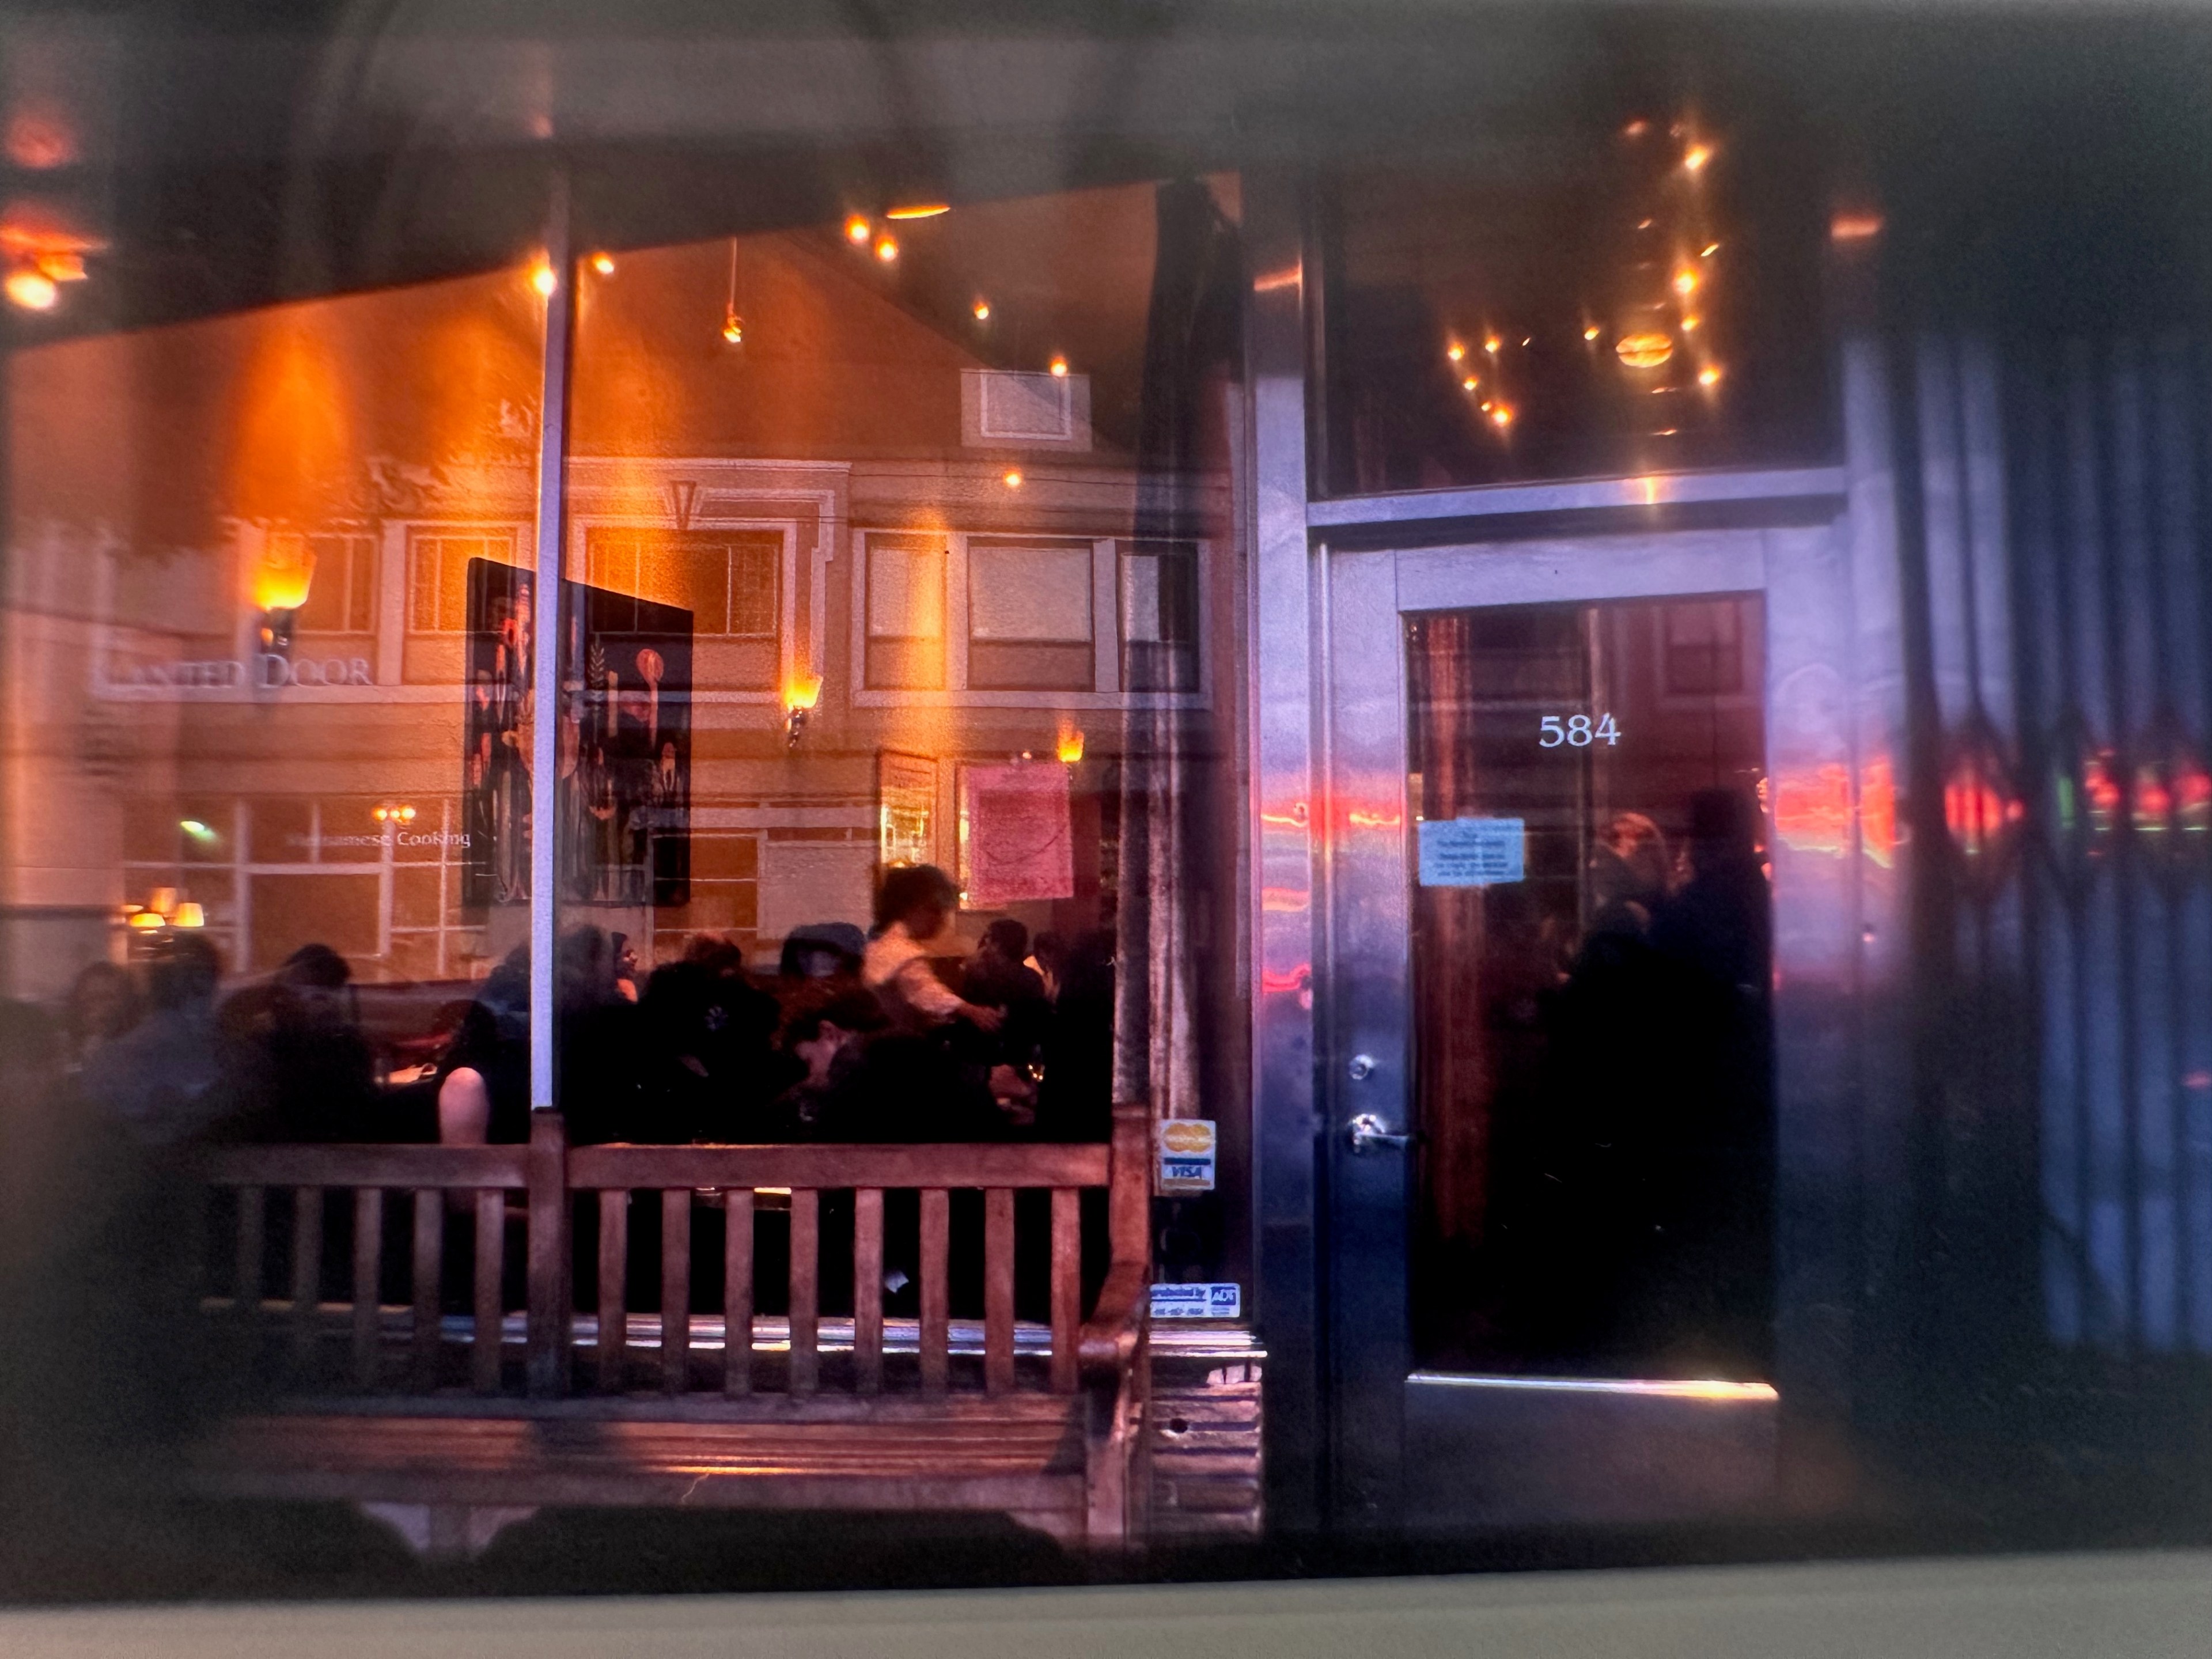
(726, 581)
(906, 612)
(1159, 616)
(342, 598)
(1638, 298)
(438, 578)
(1029, 615)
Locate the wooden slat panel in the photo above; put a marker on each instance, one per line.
(546, 1362)
(998, 1290)
(614, 1271)
(448, 1167)
(936, 1294)
(491, 1264)
(430, 1254)
(806, 1284)
(246, 1282)
(676, 1289)
(868, 1290)
(821, 1166)
(306, 1265)
(1067, 1285)
(368, 1276)
(738, 1292)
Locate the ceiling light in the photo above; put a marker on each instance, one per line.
(886, 248)
(1060, 368)
(543, 279)
(856, 231)
(1696, 157)
(1455, 351)
(604, 264)
(983, 310)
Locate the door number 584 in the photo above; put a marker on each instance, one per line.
(1576, 732)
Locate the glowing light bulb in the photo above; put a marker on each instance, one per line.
(1469, 384)
(1070, 747)
(33, 290)
(1591, 333)
(918, 210)
(1709, 250)
(1455, 351)
(407, 815)
(1491, 344)
(1709, 376)
(856, 231)
(983, 310)
(1690, 324)
(544, 278)
(1059, 367)
(886, 248)
(1696, 157)
(604, 264)
(380, 813)
(1686, 282)
(1012, 479)
(1501, 415)
(733, 328)
(801, 691)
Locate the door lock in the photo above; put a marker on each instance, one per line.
(1367, 1134)
(1362, 1068)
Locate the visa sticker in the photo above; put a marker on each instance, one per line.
(1187, 1149)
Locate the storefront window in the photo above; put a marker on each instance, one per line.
(1617, 302)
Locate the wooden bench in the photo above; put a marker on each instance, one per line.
(465, 1421)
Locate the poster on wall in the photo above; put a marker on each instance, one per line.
(624, 784)
(1017, 839)
(906, 804)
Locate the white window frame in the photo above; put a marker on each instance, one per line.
(1107, 692)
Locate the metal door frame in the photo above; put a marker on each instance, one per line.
(1825, 543)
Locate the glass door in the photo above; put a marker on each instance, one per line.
(1551, 1169)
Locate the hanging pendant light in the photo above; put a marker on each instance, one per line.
(734, 327)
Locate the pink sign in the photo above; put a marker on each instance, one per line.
(1016, 834)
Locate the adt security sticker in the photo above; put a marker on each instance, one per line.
(1473, 852)
(1187, 1154)
(1197, 1301)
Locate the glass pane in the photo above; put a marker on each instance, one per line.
(1029, 593)
(1592, 969)
(1611, 302)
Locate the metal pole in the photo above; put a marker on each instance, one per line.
(547, 634)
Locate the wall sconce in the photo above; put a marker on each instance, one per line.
(189, 915)
(389, 813)
(800, 693)
(1070, 747)
(281, 582)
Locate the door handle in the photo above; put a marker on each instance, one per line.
(1367, 1134)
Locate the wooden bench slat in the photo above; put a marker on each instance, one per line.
(676, 1289)
(429, 1264)
(821, 1166)
(306, 1267)
(936, 1336)
(868, 1290)
(614, 1311)
(738, 1292)
(374, 1165)
(805, 1287)
(1067, 1285)
(368, 1280)
(491, 1265)
(998, 1289)
(246, 1295)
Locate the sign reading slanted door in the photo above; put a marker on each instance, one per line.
(1473, 852)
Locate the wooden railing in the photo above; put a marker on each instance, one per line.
(546, 1179)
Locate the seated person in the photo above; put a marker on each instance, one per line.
(915, 903)
(997, 977)
(838, 1097)
(822, 949)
